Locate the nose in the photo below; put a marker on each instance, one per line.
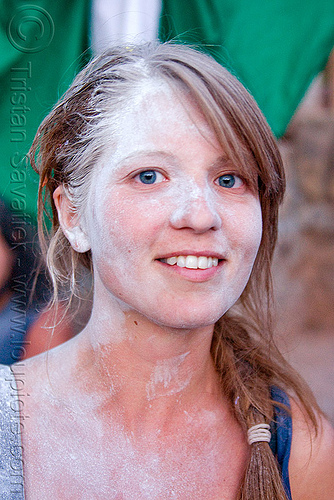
(196, 210)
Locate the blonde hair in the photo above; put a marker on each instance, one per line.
(69, 143)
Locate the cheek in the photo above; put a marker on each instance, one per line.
(247, 231)
(253, 232)
(124, 225)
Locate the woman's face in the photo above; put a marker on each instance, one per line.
(174, 230)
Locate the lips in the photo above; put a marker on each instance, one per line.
(192, 261)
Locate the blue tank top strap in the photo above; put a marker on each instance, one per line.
(281, 432)
(11, 465)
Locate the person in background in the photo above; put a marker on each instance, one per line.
(25, 322)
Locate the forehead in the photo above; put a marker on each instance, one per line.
(155, 109)
(164, 105)
(153, 113)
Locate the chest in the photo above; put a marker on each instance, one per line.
(89, 458)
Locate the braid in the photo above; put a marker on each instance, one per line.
(246, 383)
(262, 479)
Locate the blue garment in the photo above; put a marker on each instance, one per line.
(281, 432)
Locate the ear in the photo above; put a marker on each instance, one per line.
(70, 222)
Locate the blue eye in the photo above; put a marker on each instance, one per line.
(229, 181)
(150, 177)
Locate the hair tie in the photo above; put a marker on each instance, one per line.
(259, 433)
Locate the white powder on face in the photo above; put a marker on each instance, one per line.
(129, 225)
(166, 380)
(141, 118)
(190, 196)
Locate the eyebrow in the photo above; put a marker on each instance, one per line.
(146, 154)
(223, 161)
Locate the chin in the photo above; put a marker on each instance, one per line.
(187, 312)
(190, 321)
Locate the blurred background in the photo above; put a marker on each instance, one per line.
(304, 261)
(281, 50)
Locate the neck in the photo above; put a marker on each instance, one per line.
(145, 366)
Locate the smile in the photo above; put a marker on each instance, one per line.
(192, 262)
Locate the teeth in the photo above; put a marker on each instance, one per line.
(181, 261)
(193, 262)
(202, 262)
(171, 261)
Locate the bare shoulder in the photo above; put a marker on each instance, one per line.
(311, 467)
